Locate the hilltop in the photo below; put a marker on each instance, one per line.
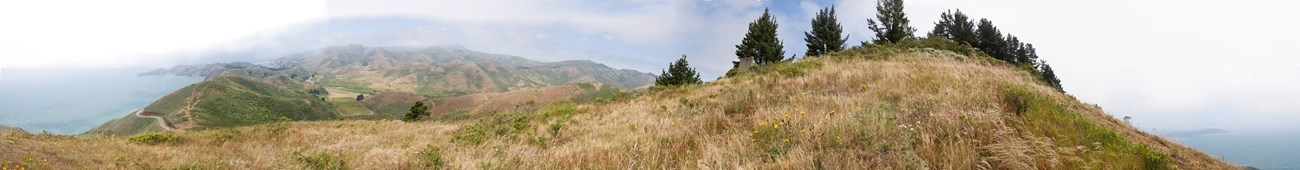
(229, 101)
(883, 108)
(323, 84)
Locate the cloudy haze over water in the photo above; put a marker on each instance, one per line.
(1172, 65)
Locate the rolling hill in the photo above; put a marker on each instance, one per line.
(449, 71)
(320, 84)
(882, 108)
(228, 101)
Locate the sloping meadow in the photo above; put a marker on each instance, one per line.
(884, 108)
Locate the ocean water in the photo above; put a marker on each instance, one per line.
(71, 101)
(1263, 150)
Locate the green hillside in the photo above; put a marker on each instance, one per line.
(446, 72)
(228, 101)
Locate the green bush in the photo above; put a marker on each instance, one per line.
(322, 160)
(1041, 115)
(156, 138)
(506, 124)
(431, 157)
(794, 69)
(497, 125)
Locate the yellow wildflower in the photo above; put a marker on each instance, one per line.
(755, 131)
(786, 141)
(762, 123)
(803, 131)
(776, 126)
(801, 113)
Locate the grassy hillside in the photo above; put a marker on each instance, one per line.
(393, 105)
(447, 72)
(227, 101)
(886, 108)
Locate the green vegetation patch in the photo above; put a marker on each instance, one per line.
(1041, 115)
(322, 160)
(349, 107)
(603, 94)
(431, 157)
(156, 138)
(237, 101)
(794, 69)
(554, 116)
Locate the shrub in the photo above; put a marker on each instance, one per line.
(1014, 100)
(791, 69)
(156, 138)
(431, 157)
(497, 125)
(322, 160)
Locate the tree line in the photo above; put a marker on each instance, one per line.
(890, 26)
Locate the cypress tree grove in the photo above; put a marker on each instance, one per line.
(1049, 76)
(761, 42)
(893, 23)
(955, 26)
(987, 38)
(991, 41)
(825, 35)
(678, 73)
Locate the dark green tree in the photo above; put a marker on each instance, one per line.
(678, 73)
(416, 110)
(891, 24)
(1015, 50)
(361, 97)
(1029, 53)
(991, 41)
(761, 42)
(825, 35)
(955, 26)
(1049, 76)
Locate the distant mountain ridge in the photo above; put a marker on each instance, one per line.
(450, 79)
(450, 71)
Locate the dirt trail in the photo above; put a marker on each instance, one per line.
(162, 121)
(189, 105)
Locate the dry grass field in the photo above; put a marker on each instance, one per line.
(905, 109)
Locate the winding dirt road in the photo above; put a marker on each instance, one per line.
(162, 121)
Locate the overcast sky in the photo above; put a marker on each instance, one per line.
(1171, 64)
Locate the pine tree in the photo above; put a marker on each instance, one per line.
(761, 42)
(1015, 50)
(1049, 76)
(955, 26)
(825, 35)
(678, 73)
(416, 110)
(893, 23)
(991, 41)
(1030, 53)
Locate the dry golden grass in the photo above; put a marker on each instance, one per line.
(913, 110)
